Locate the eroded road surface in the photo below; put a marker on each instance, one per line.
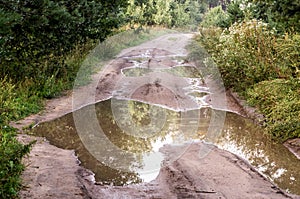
(156, 72)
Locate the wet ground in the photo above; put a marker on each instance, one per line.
(147, 120)
(239, 136)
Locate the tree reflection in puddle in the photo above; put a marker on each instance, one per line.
(239, 136)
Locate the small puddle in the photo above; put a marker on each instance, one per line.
(239, 136)
(185, 71)
(179, 71)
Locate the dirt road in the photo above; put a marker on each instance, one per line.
(52, 172)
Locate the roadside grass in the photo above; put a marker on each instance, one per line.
(14, 104)
(11, 167)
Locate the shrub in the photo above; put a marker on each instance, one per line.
(283, 14)
(262, 66)
(279, 101)
(287, 48)
(250, 52)
(35, 30)
(246, 50)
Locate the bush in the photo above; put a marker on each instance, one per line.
(287, 48)
(279, 101)
(167, 13)
(262, 66)
(17, 101)
(38, 36)
(249, 52)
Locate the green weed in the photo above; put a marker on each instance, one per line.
(11, 167)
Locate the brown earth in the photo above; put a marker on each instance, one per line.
(56, 173)
(294, 146)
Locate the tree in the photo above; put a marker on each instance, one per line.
(215, 17)
(180, 16)
(284, 15)
(197, 10)
(162, 15)
(34, 30)
(234, 12)
(169, 13)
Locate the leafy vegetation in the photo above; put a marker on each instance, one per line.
(13, 105)
(11, 153)
(37, 35)
(218, 17)
(283, 15)
(258, 60)
(249, 52)
(168, 13)
(215, 17)
(16, 101)
(279, 101)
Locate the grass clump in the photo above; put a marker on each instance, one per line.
(11, 167)
(17, 100)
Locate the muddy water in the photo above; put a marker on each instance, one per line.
(239, 136)
(180, 71)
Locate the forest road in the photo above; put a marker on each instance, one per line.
(55, 173)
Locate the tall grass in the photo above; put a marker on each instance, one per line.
(15, 103)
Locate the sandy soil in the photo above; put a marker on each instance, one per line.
(52, 172)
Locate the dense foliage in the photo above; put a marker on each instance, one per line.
(279, 101)
(258, 60)
(249, 52)
(42, 45)
(218, 17)
(283, 14)
(215, 17)
(35, 35)
(169, 13)
(13, 105)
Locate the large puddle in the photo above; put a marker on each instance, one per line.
(239, 135)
